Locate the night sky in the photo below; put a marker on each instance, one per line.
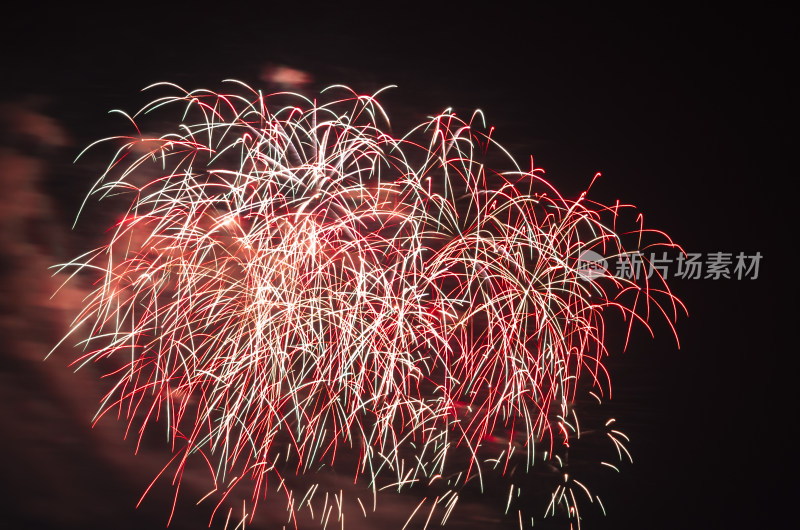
(687, 113)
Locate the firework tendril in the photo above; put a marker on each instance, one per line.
(292, 288)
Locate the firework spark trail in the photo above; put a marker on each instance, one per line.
(293, 280)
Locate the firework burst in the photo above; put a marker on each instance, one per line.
(291, 283)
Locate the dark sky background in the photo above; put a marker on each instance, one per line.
(688, 114)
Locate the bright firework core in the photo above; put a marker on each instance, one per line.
(294, 289)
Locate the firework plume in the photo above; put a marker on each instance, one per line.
(293, 288)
